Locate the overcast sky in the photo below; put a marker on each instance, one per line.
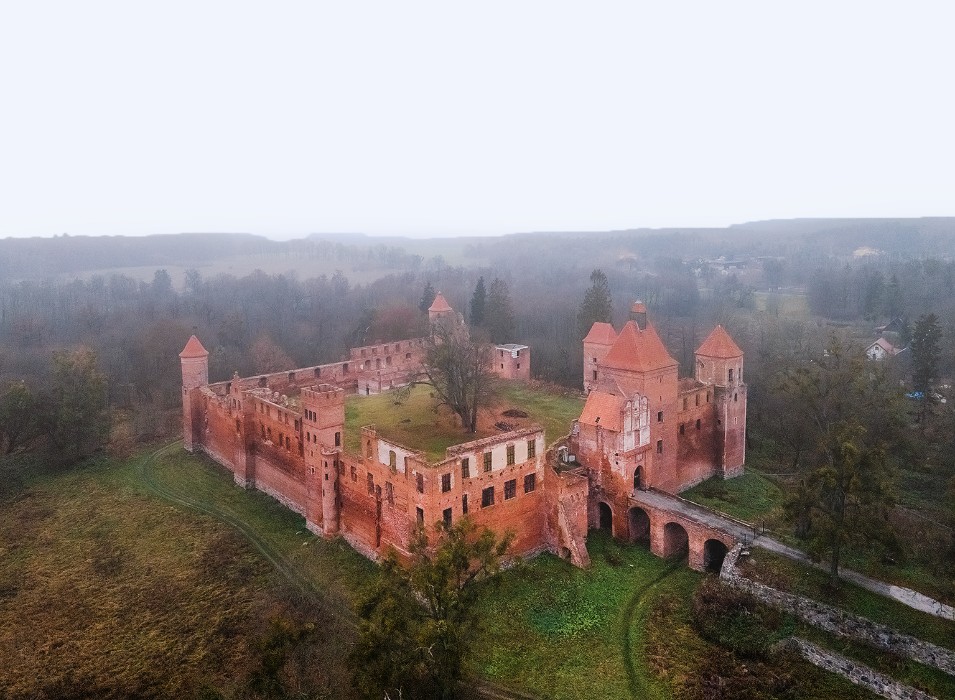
(444, 118)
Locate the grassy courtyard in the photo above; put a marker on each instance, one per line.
(417, 422)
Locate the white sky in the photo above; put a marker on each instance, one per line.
(444, 118)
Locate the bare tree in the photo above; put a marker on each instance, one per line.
(458, 366)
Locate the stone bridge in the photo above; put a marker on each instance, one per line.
(673, 526)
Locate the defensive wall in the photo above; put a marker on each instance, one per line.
(643, 431)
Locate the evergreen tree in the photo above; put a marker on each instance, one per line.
(499, 313)
(597, 304)
(852, 417)
(925, 353)
(478, 303)
(427, 297)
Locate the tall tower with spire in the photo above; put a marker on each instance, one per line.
(195, 373)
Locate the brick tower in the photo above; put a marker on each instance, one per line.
(323, 422)
(440, 309)
(195, 373)
(719, 362)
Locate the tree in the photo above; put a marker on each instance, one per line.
(77, 415)
(478, 302)
(17, 416)
(852, 415)
(458, 367)
(926, 336)
(499, 313)
(418, 623)
(427, 297)
(268, 356)
(597, 304)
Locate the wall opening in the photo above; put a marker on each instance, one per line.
(606, 517)
(714, 552)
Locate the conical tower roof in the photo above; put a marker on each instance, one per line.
(719, 344)
(193, 349)
(601, 333)
(440, 304)
(638, 350)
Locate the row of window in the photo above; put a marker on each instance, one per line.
(487, 494)
(510, 491)
(696, 399)
(488, 459)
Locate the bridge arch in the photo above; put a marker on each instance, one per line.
(676, 540)
(639, 521)
(714, 551)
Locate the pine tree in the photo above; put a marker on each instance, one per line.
(925, 353)
(499, 313)
(478, 304)
(597, 304)
(427, 297)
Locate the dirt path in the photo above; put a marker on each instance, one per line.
(639, 688)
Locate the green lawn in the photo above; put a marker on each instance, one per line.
(418, 424)
(561, 632)
(750, 497)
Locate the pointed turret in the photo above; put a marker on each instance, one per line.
(195, 373)
(638, 350)
(719, 359)
(440, 308)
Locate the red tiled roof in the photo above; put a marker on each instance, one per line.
(601, 333)
(440, 303)
(603, 409)
(194, 349)
(638, 350)
(638, 308)
(719, 344)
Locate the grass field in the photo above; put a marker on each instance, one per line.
(418, 424)
(157, 576)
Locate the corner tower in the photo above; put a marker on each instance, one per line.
(719, 363)
(440, 308)
(195, 373)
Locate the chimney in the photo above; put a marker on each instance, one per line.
(638, 314)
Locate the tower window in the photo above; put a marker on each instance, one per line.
(697, 423)
(731, 375)
(659, 447)
(659, 416)
(338, 439)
